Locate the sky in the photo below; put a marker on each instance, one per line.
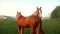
(27, 7)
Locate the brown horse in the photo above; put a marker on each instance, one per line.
(38, 13)
(31, 21)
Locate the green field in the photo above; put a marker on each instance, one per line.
(9, 26)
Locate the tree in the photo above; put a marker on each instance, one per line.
(56, 12)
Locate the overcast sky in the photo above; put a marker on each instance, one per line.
(27, 7)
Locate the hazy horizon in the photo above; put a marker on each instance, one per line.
(27, 7)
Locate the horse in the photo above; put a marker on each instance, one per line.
(38, 13)
(31, 21)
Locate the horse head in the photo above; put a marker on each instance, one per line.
(18, 15)
(38, 12)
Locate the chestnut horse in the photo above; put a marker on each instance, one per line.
(31, 21)
(38, 13)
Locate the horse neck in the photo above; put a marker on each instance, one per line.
(36, 13)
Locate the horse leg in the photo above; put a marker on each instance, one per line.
(39, 29)
(32, 30)
(42, 31)
(19, 29)
(22, 30)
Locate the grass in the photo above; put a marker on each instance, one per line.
(51, 26)
(9, 26)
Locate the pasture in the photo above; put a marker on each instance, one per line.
(9, 26)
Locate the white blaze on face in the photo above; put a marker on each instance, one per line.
(40, 14)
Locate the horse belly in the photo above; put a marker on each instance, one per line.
(22, 24)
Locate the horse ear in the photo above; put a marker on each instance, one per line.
(40, 9)
(17, 12)
(37, 8)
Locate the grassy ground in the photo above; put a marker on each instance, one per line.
(9, 26)
(51, 26)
